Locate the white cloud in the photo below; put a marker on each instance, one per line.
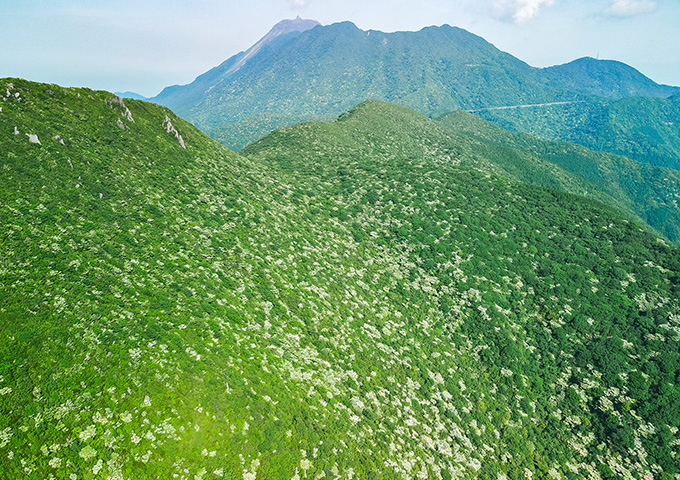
(627, 8)
(298, 4)
(520, 11)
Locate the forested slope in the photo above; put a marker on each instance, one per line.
(643, 129)
(648, 192)
(334, 303)
(547, 292)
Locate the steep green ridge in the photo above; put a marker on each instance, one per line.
(320, 73)
(167, 310)
(338, 303)
(637, 189)
(644, 129)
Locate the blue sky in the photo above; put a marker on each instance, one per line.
(145, 45)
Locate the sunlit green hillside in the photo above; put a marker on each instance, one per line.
(604, 79)
(343, 300)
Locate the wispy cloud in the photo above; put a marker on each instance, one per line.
(298, 4)
(628, 8)
(517, 11)
(528, 9)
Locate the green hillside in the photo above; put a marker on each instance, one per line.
(644, 129)
(527, 278)
(604, 79)
(163, 309)
(637, 189)
(343, 300)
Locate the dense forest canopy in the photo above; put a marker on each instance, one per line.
(355, 299)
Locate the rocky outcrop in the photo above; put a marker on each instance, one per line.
(124, 110)
(167, 125)
(33, 138)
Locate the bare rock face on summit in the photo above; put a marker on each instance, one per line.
(179, 97)
(281, 28)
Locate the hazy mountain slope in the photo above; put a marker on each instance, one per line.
(182, 97)
(282, 28)
(644, 129)
(604, 78)
(527, 279)
(330, 306)
(648, 192)
(326, 70)
(132, 95)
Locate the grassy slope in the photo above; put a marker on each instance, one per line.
(340, 302)
(180, 322)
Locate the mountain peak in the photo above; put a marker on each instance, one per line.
(297, 24)
(283, 27)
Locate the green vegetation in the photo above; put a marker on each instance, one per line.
(639, 190)
(368, 298)
(604, 79)
(644, 129)
(544, 290)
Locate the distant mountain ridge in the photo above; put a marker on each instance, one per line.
(605, 78)
(321, 72)
(281, 28)
(177, 95)
(132, 95)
